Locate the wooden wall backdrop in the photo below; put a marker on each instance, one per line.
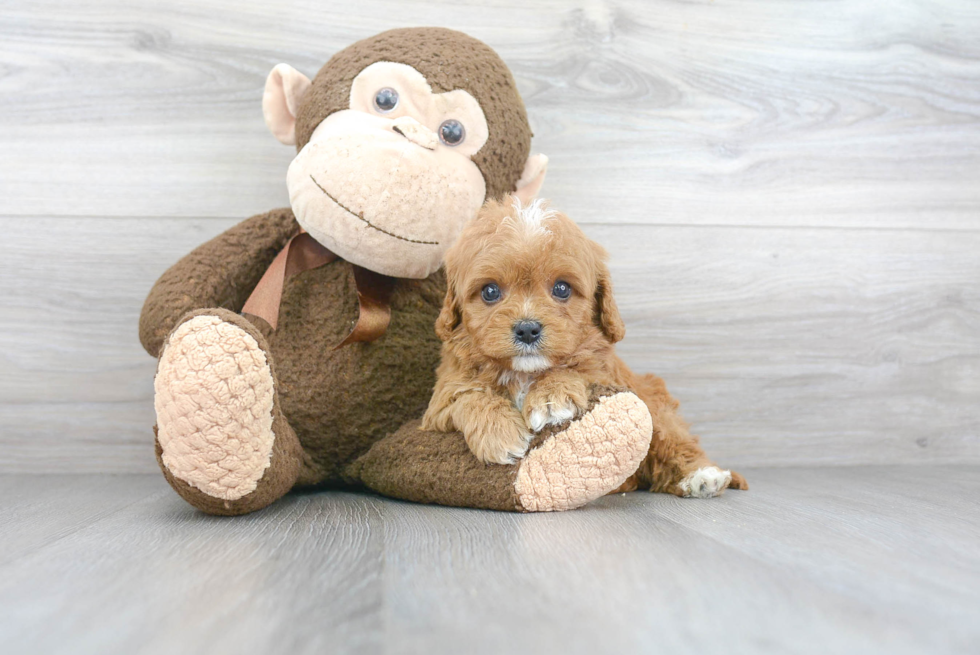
(790, 192)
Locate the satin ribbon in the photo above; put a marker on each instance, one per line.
(303, 253)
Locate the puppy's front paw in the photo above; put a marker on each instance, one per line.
(706, 482)
(499, 440)
(553, 404)
(550, 413)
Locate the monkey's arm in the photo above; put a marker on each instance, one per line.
(219, 273)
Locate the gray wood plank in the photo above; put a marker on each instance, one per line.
(160, 577)
(41, 509)
(637, 570)
(822, 113)
(888, 536)
(840, 343)
(850, 560)
(786, 346)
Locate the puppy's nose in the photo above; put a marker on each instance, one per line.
(527, 331)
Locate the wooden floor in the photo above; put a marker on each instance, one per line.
(821, 560)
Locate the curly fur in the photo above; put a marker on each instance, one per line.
(497, 390)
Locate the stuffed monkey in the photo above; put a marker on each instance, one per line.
(298, 348)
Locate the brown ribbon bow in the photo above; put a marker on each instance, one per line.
(303, 253)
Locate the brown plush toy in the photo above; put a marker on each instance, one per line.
(298, 348)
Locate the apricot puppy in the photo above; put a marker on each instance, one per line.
(529, 322)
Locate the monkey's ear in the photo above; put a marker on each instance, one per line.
(607, 313)
(532, 178)
(284, 88)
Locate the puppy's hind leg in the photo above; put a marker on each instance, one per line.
(676, 463)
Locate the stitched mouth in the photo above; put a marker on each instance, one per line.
(360, 216)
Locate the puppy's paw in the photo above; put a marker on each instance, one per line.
(706, 482)
(499, 440)
(550, 414)
(554, 403)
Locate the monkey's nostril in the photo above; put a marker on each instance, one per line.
(415, 132)
(527, 331)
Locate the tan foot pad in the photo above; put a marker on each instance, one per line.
(593, 456)
(214, 404)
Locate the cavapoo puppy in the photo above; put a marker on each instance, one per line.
(529, 322)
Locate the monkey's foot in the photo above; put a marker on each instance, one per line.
(221, 439)
(588, 458)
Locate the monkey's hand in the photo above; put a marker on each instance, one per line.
(555, 398)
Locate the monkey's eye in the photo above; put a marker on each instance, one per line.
(451, 132)
(562, 290)
(386, 99)
(490, 293)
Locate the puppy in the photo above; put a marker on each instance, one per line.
(529, 322)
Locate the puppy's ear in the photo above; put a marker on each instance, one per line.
(607, 314)
(451, 315)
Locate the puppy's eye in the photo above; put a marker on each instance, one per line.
(562, 290)
(452, 132)
(385, 100)
(490, 293)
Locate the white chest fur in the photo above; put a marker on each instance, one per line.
(518, 383)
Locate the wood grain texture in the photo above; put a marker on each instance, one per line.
(857, 560)
(792, 346)
(785, 346)
(47, 508)
(725, 112)
(306, 575)
(790, 194)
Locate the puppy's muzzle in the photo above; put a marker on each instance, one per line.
(527, 332)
